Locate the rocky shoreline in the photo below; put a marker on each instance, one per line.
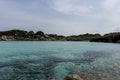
(21, 35)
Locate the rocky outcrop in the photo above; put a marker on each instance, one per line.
(73, 77)
(7, 38)
(110, 37)
(52, 78)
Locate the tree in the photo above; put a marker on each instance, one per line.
(16, 33)
(0, 34)
(30, 34)
(40, 33)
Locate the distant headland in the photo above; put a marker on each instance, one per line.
(22, 35)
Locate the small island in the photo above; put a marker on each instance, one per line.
(22, 35)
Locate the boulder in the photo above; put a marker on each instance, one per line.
(52, 78)
(73, 77)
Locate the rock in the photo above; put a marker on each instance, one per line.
(73, 77)
(52, 78)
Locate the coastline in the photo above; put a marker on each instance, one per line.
(21, 35)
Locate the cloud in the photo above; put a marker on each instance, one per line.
(111, 5)
(14, 18)
(111, 11)
(117, 29)
(61, 16)
(71, 7)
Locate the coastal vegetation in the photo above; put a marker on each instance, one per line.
(110, 37)
(23, 35)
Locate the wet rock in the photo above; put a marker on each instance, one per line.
(52, 78)
(73, 77)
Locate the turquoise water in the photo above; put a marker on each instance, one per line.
(34, 60)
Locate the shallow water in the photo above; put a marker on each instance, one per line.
(34, 60)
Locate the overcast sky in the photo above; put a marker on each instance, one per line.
(66, 17)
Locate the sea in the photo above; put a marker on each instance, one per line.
(41, 60)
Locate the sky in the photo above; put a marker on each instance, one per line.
(65, 17)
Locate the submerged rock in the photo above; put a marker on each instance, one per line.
(73, 77)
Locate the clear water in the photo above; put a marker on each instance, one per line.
(34, 60)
